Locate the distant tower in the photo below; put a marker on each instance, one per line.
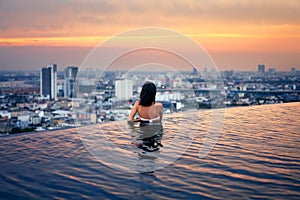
(195, 71)
(48, 81)
(261, 68)
(293, 69)
(272, 70)
(123, 89)
(70, 83)
(228, 73)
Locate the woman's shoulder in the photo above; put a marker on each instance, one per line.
(157, 104)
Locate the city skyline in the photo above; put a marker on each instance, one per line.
(238, 35)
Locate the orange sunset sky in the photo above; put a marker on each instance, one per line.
(238, 34)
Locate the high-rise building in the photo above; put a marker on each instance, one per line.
(195, 71)
(228, 73)
(123, 89)
(293, 69)
(272, 70)
(70, 82)
(48, 81)
(261, 68)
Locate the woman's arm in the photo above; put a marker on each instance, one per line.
(161, 112)
(158, 112)
(133, 112)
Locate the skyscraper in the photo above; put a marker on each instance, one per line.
(48, 81)
(272, 70)
(195, 71)
(261, 68)
(293, 69)
(70, 85)
(123, 89)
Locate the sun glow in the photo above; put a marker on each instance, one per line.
(53, 41)
(269, 30)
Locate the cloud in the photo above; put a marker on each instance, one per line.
(94, 17)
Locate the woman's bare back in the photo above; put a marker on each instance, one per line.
(150, 112)
(155, 111)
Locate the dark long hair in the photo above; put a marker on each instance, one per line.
(147, 96)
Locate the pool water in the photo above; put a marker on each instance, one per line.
(256, 156)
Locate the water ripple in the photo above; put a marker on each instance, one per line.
(256, 157)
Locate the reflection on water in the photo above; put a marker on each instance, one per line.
(256, 157)
(147, 137)
(121, 145)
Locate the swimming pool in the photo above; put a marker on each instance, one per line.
(256, 156)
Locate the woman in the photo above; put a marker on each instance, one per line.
(148, 110)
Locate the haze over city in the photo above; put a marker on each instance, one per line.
(238, 35)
